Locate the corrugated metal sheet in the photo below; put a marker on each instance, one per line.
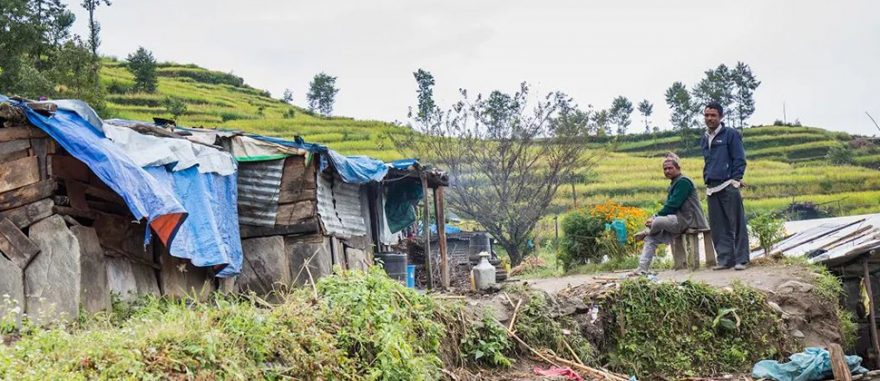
(258, 191)
(339, 206)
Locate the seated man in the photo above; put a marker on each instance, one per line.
(681, 211)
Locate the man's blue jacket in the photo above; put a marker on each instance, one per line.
(725, 159)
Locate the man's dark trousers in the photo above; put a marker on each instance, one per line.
(727, 219)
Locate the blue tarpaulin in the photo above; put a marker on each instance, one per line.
(144, 196)
(210, 236)
(811, 364)
(352, 169)
(403, 164)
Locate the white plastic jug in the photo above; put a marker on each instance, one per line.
(484, 273)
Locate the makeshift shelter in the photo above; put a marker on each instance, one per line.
(88, 208)
(850, 248)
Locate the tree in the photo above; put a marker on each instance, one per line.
(427, 107)
(683, 110)
(175, 107)
(287, 96)
(506, 158)
(142, 65)
(322, 93)
(716, 86)
(619, 113)
(602, 122)
(94, 26)
(646, 109)
(745, 84)
(40, 57)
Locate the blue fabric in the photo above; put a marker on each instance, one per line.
(449, 229)
(403, 164)
(726, 159)
(144, 196)
(352, 169)
(210, 236)
(3, 98)
(811, 364)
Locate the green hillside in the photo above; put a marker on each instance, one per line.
(787, 164)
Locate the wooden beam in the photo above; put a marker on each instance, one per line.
(68, 167)
(68, 211)
(13, 146)
(440, 213)
(41, 151)
(304, 227)
(838, 363)
(26, 215)
(292, 214)
(23, 132)
(872, 313)
(27, 194)
(426, 228)
(15, 245)
(18, 173)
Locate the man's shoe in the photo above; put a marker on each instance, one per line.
(720, 267)
(740, 267)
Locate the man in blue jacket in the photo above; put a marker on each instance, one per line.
(723, 171)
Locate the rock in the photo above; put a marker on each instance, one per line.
(300, 249)
(797, 334)
(120, 277)
(180, 278)
(775, 307)
(265, 266)
(145, 279)
(94, 288)
(52, 280)
(356, 259)
(794, 286)
(11, 290)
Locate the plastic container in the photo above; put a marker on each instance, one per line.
(619, 227)
(411, 276)
(484, 273)
(394, 265)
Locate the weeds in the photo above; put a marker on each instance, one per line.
(487, 343)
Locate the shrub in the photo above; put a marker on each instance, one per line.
(840, 155)
(768, 228)
(486, 343)
(580, 242)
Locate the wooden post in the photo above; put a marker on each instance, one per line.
(440, 213)
(710, 249)
(872, 313)
(679, 253)
(693, 241)
(426, 228)
(838, 363)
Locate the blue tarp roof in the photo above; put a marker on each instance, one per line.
(352, 169)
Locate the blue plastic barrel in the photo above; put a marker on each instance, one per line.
(411, 276)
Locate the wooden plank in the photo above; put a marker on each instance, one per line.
(14, 146)
(709, 246)
(440, 212)
(41, 151)
(5, 158)
(68, 211)
(18, 173)
(15, 245)
(292, 214)
(298, 181)
(120, 234)
(427, 231)
(26, 215)
(22, 132)
(679, 261)
(693, 251)
(838, 363)
(68, 167)
(27, 194)
(307, 226)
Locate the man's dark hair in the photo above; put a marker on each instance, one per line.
(716, 106)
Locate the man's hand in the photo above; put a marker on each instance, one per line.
(649, 222)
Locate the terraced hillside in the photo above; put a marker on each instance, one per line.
(786, 163)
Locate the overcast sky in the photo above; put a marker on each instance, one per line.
(820, 58)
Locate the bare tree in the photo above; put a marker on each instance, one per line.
(506, 158)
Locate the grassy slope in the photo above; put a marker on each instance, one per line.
(785, 162)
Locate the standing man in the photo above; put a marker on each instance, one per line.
(680, 212)
(723, 171)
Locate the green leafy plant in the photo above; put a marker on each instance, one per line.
(768, 228)
(486, 343)
(581, 242)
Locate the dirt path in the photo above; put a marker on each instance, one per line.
(765, 278)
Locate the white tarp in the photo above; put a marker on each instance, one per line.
(151, 151)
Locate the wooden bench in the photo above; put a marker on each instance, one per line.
(686, 249)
